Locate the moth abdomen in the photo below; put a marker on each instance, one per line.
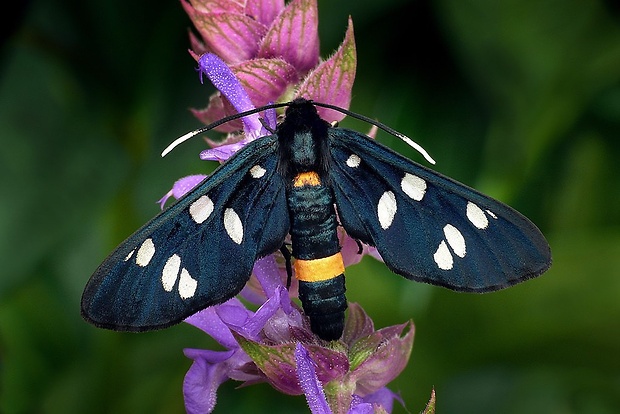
(325, 302)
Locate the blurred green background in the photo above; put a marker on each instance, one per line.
(518, 98)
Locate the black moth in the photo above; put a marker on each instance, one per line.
(306, 179)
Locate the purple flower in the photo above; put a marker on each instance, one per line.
(274, 344)
(380, 401)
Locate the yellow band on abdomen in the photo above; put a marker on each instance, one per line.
(316, 270)
(307, 178)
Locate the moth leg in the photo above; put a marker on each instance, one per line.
(360, 248)
(266, 126)
(287, 261)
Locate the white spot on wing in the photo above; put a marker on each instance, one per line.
(257, 171)
(477, 216)
(201, 209)
(171, 272)
(455, 240)
(233, 225)
(490, 213)
(442, 257)
(145, 253)
(130, 254)
(187, 285)
(413, 186)
(354, 161)
(386, 209)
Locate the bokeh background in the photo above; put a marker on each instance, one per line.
(518, 98)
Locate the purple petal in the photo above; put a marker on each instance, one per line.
(181, 187)
(227, 83)
(223, 152)
(287, 320)
(271, 118)
(351, 250)
(234, 37)
(207, 373)
(263, 10)
(249, 326)
(380, 358)
(294, 36)
(265, 80)
(197, 46)
(331, 364)
(309, 382)
(383, 397)
(218, 108)
(276, 362)
(268, 274)
(210, 322)
(209, 370)
(357, 324)
(331, 82)
(217, 6)
(361, 408)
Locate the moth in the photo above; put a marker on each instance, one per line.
(306, 179)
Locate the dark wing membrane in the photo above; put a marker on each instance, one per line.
(428, 227)
(197, 253)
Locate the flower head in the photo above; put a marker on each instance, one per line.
(274, 344)
(273, 50)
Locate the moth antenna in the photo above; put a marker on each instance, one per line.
(219, 122)
(384, 127)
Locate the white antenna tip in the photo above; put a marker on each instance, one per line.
(178, 141)
(418, 148)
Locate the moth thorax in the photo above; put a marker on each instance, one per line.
(303, 152)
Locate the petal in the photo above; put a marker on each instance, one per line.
(227, 83)
(357, 324)
(430, 406)
(218, 108)
(284, 327)
(218, 6)
(271, 118)
(294, 36)
(181, 187)
(268, 274)
(331, 82)
(309, 382)
(276, 362)
(162, 201)
(361, 408)
(383, 356)
(330, 364)
(207, 373)
(210, 322)
(265, 80)
(263, 10)
(222, 153)
(249, 326)
(234, 37)
(383, 397)
(197, 46)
